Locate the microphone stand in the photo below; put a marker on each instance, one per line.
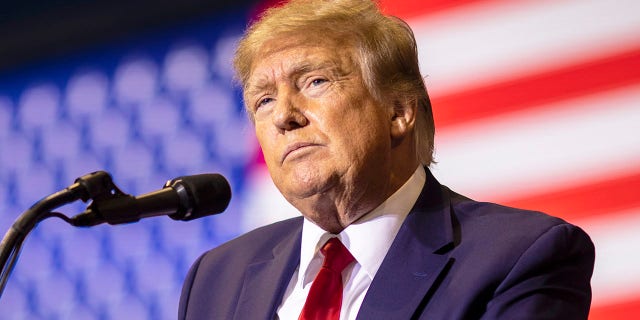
(94, 185)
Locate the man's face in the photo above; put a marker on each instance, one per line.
(320, 129)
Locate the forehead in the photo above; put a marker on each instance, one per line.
(278, 58)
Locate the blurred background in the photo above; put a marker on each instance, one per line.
(537, 105)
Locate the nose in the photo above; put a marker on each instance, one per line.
(288, 114)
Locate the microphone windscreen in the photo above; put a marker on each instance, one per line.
(208, 193)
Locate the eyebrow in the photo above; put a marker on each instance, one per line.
(264, 82)
(255, 87)
(310, 66)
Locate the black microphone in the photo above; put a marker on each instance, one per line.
(183, 198)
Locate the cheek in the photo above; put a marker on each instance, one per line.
(368, 142)
(267, 143)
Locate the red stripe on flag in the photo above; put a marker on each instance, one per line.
(620, 311)
(537, 90)
(600, 197)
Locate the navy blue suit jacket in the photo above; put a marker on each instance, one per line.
(453, 258)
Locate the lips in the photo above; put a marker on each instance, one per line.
(294, 147)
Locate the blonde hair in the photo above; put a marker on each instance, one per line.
(385, 49)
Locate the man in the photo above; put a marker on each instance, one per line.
(345, 125)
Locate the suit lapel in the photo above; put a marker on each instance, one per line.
(266, 280)
(409, 273)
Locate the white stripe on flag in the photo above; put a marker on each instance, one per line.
(560, 145)
(487, 42)
(617, 240)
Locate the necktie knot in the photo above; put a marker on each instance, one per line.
(336, 255)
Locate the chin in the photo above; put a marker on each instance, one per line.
(302, 191)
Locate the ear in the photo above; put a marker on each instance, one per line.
(403, 117)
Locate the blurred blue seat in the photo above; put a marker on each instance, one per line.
(164, 305)
(185, 68)
(38, 107)
(234, 141)
(128, 307)
(55, 296)
(60, 143)
(159, 119)
(34, 184)
(16, 155)
(102, 286)
(179, 235)
(109, 131)
(133, 161)
(86, 95)
(185, 152)
(135, 81)
(34, 263)
(14, 303)
(82, 247)
(154, 275)
(81, 312)
(6, 118)
(211, 105)
(222, 55)
(129, 242)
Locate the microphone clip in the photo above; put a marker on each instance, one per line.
(99, 187)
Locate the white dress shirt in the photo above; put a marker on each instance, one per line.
(368, 240)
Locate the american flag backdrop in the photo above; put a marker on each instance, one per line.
(537, 105)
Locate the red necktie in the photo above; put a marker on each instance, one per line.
(325, 296)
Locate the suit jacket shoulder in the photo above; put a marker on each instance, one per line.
(455, 258)
(223, 282)
(525, 264)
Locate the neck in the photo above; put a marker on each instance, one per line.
(336, 209)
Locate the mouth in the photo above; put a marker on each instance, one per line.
(295, 148)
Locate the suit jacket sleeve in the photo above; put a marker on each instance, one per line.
(186, 289)
(550, 280)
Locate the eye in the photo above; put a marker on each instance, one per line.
(317, 81)
(263, 102)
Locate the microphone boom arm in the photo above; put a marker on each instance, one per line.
(93, 185)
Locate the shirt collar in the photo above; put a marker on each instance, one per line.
(369, 251)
